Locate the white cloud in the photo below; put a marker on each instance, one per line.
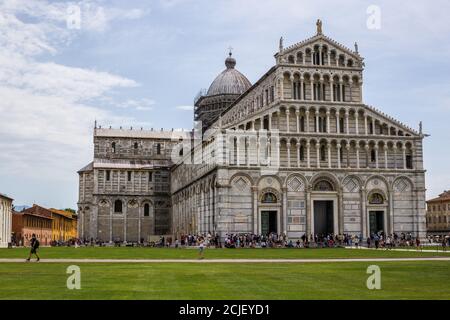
(185, 108)
(137, 104)
(48, 109)
(98, 18)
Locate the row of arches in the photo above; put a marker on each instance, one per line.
(314, 119)
(195, 207)
(291, 152)
(130, 148)
(321, 55)
(328, 181)
(320, 87)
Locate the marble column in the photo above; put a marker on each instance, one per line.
(357, 156)
(318, 154)
(347, 129)
(404, 157)
(307, 121)
(365, 124)
(308, 157)
(317, 122)
(302, 84)
(328, 121)
(357, 122)
(376, 156)
(287, 120)
(367, 155)
(347, 148)
(255, 209)
(308, 213)
(288, 148)
(332, 89)
(339, 155)
(329, 154)
(385, 156)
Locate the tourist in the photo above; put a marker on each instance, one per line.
(388, 243)
(34, 247)
(356, 241)
(201, 248)
(377, 241)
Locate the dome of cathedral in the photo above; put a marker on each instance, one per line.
(230, 81)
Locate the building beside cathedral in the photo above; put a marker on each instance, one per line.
(5, 220)
(298, 152)
(438, 215)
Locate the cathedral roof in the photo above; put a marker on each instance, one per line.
(230, 81)
(141, 134)
(87, 168)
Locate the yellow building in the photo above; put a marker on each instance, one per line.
(438, 215)
(64, 225)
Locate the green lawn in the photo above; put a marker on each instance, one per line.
(154, 253)
(399, 280)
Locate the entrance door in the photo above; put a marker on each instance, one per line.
(268, 222)
(376, 221)
(323, 217)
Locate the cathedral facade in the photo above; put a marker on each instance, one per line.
(298, 152)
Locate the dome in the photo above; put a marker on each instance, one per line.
(230, 81)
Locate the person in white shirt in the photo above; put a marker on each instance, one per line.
(201, 248)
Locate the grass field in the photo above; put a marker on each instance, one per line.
(164, 253)
(411, 280)
(400, 280)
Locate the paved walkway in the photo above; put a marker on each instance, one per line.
(224, 260)
(400, 249)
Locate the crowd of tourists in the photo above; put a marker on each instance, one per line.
(273, 240)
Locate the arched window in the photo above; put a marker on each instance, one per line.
(409, 164)
(302, 124)
(316, 57)
(323, 156)
(113, 146)
(302, 153)
(376, 198)
(373, 155)
(323, 185)
(291, 59)
(146, 210)
(269, 197)
(158, 148)
(118, 206)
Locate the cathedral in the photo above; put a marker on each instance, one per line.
(297, 152)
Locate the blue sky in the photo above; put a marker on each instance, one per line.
(141, 63)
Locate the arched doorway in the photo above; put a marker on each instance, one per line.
(269, 212)
(324, 204)
(376, 208)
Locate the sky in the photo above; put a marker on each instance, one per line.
(65, 64)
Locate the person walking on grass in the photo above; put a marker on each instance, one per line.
(201, 249)
(34, 247)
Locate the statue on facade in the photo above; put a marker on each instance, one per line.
(319, 26)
